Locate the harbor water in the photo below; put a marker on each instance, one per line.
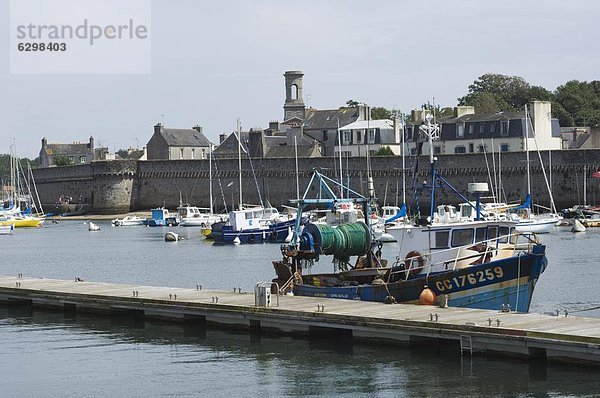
(48, 354)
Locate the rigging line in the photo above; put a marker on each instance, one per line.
(543, 170)
(254, 175)
(487, 165)
(220, 185)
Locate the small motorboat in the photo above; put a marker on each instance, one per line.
(6, 229)
(128, 221)
(93, 227)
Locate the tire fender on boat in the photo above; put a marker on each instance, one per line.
(251, 239)
(411, 256)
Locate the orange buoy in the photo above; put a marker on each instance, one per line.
(427, 297)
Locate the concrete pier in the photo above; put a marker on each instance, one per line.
(555, 338)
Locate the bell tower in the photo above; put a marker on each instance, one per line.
(294, 101)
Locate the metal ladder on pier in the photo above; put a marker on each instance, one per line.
(466, 345)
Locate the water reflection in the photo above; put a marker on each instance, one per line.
(174, 359)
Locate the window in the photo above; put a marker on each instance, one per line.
(324, 135)
(461, 237)
(181, 153)
(504, 128)
(480, 234)
(371, 136)
(204, 154)
(471, 129)
(413, 151)
(359, 136)
(493, 127)
(460, 130)
(504, 148)
(409, 133)
(503, 231)
(441, 239)
(471, 148)
(482, 148)
(294, 92)
(193, 153)
(460, 149)
(437, 150)
(492, 232)
(82, 159)
(71, 159)
(347, 136)
(481, 128)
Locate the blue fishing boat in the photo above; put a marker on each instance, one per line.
(253, 225)
(444, 260)
(160, 217)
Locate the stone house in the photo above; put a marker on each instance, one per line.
(374, 134)
(174, 144)
(76, 153)
(468, 132)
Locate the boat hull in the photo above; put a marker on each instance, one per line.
(274, 233)
(536, 227)
(493, 285)
(23, 223)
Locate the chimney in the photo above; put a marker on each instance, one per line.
(198, 128)
(463, 110)
(274, 125)
(91, 143)
(158, 128)
(44, 142)
(222, 138)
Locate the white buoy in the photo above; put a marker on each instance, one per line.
(578, 227)
(93, 227)
(236, 240)
(171, 237)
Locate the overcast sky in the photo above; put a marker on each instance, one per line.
(215, 61)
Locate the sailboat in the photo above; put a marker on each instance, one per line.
(251, 224)
(526, 220)
(20, 201)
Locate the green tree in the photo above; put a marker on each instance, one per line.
(378, 113)
(497, 92)
(581, 101)
(352, 103)
(61, 160)
(384, 151)
(123, 153)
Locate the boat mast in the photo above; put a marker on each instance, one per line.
(403, 144)
(297, 176)
(340, 153)
(210, 189)
(239, 137)
(527, 151)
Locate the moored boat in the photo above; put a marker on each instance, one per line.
(252, 225)
(161, 217)
(128, 221)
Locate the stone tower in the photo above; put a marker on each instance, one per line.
(294, 101)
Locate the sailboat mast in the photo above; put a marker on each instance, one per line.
(239, 137)
(297, 176)
(527, 150)
(403, 163)
(340, 156)
(210, 188)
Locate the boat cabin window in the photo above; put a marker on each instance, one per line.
(248, 215)
(466, 211)
(513, 236)
(492, 232)
(461, 237)
(480, 234)
(441, 239)
(503, 232)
